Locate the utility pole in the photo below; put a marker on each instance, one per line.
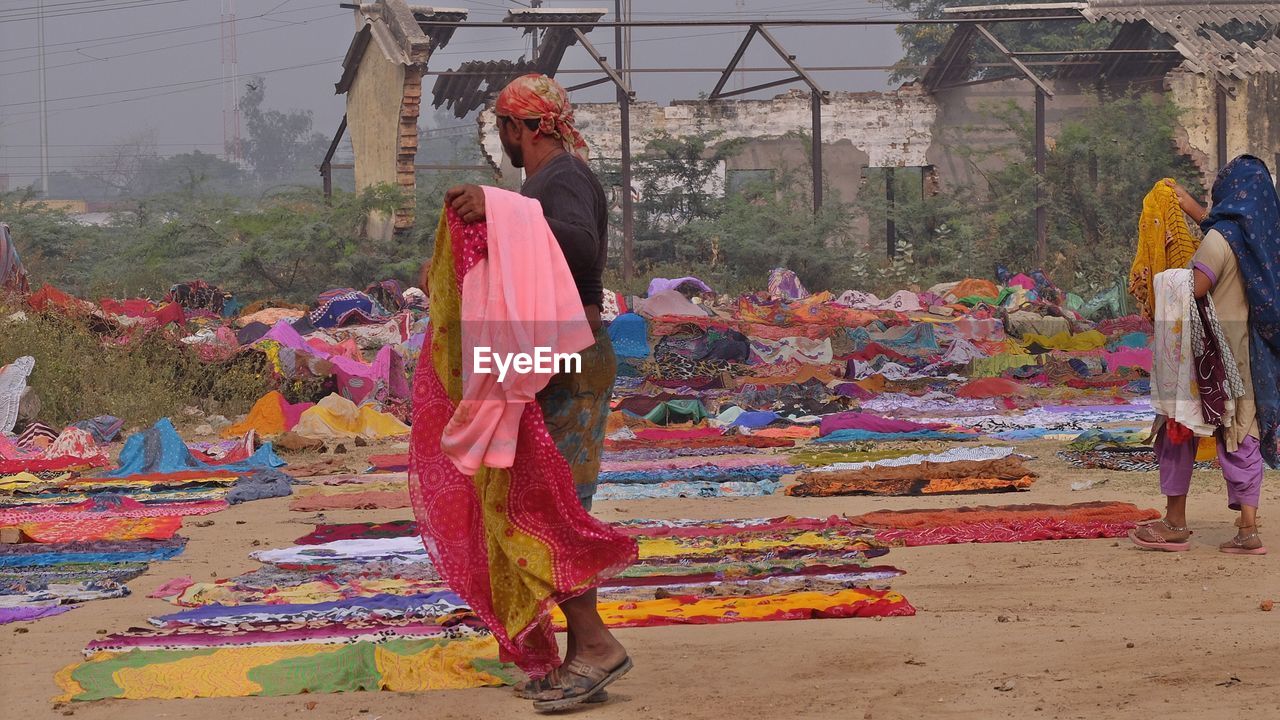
(44, 106)
(232, 147)
(533, 33)
(624, 111)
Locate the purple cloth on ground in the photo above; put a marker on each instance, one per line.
(853, 420)
(853, 390)
(21, 613)
(375, 606)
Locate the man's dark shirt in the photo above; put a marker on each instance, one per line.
(574, 204)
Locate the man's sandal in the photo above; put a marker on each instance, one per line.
(577, 683)
(1250, 544)
(531, 689)
(1154, 540)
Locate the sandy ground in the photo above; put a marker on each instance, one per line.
(1072, 629)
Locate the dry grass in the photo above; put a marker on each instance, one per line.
(82, 372)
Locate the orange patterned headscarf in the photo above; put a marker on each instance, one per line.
(538, 97)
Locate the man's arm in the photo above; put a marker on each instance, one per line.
(568, 209)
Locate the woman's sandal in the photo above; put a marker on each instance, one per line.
(578, 684)
(1157, 541)
(1250, 544)
(530, 690)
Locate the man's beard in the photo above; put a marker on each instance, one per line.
(515, 154)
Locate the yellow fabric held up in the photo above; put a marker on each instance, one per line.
(1164, 241)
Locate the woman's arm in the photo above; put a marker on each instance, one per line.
(1190, 205)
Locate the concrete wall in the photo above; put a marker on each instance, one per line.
(373, 121)
(905, 128)
(892, 129)
(1253, 119)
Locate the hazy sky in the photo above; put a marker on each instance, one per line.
(117, 69)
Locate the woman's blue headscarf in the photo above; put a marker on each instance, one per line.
(1247, 213)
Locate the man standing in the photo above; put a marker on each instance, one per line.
(535, 124)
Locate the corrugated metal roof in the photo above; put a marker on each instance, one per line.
(476, 82)
(1191, 27)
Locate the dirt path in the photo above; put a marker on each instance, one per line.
(1073, 629)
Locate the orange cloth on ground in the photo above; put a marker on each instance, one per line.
(92, 529)
(971, 287)
(795, 432)
(266, 417)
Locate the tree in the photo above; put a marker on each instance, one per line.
(189, 174)
(1098, 169)
(282, 147)
(676, 182)
(922, 43)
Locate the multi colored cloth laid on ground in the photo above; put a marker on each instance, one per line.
(681, 489)
(108, 505)
(395, 665)
(359, 531)
(30, 555)
(1004, 523)
(844, 436)
(1137, 459)
(461, 625)
(689, 610)
(510, 558)
(926, 478)
(704, 473)
(91, 528)
(976, 454)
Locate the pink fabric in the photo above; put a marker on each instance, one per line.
(1022, 281)
(678, 433)
(356, 376)
(541, 502)
(873, 423)
(520, 298)
(1129, 357)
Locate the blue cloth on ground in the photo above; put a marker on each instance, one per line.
(630, 336)
(160, 449)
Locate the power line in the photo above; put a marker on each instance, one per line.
(110, 7)
(177, 45)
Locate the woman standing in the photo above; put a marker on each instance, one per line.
(1238, 265)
